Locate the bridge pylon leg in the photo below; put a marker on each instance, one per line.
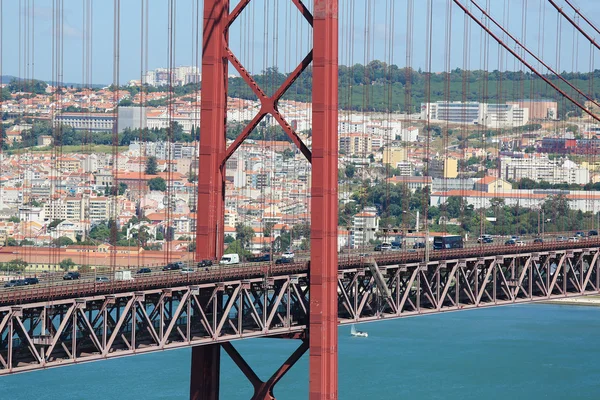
(205, 372)
(264, 390)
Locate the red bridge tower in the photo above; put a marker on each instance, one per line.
(216, 56)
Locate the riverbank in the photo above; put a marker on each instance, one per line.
(590, 301)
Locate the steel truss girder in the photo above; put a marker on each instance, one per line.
(42, 335)
(467, 283)
(63, 332)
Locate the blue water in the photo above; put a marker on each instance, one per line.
(520, 352)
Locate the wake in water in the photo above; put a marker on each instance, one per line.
(356, 333)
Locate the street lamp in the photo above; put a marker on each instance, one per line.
(426, 233)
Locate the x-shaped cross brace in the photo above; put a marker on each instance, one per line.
(264, 390)
(268, 104)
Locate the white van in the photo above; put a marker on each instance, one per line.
(229, 259)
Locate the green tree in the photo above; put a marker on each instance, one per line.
(158, 184)
(267, 229)
(28, 86)
(122, 188)
(11, 242)
(14, 219)
(301, 231)
(192, 176)
(66, 264)
(305, 245)
(350, 171)
(100, 232)
(244, 235)
(62, 241)
(284, 241)
(17, 265)
(236, 247)
(54, 223)
(151, 166)
(287, 154)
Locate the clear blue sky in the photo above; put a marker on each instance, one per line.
(250, 33)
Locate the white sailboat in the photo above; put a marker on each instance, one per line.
(356, 333)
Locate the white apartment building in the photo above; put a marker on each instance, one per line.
(179, 76)
(456, 111)
(543, 169)
(31, 214)
(588, 201)
(355, 144)
(472, 112)
(142, 117)
(410, 134)
(405, 168)
(76, 209)
(94, 122)
(99, 209)
(503, 115)
(364, 227)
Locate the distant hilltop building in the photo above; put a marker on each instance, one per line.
(472, 112)
(179, 76)
(129, 117)
(543, 169)
(541, 109)
(593, 108)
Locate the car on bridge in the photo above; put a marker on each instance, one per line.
(144, 270)
(31, 281)
(259, 258)
(519, 243)
(561, 239)
(284, 261)
(71, 275)
(205, 263)
(187, 270)
(538, 240)
(580, 234)
(15, 283)
(173, 266)
(419, 245)
(230, 259)
(510, 242)
(102, 279)
(593, 233)
(288, 254)
(573, 239)
(386, 246)
(485, 239)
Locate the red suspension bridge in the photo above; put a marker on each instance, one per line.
(57, 323)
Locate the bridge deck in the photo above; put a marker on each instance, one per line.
(79, 322)
(59, 289)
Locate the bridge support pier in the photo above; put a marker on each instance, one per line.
(264, 390)
(205, 372)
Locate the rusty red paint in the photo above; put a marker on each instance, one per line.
(323, 262)
(211, 173)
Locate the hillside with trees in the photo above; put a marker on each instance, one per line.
(379, 87)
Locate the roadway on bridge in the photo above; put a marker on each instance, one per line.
(54, 287)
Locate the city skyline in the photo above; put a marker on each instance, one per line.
(28, 53)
